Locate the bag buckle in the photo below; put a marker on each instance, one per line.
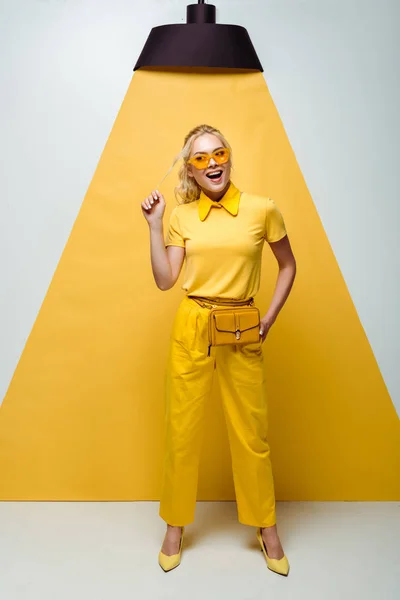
(238, 334)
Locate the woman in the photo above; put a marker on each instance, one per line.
(223, 261)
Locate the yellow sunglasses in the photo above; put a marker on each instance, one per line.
(201, 160)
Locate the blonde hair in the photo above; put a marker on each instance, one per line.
(188, 188)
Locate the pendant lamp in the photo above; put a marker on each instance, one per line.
(200, 42)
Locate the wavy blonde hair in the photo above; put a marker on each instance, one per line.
(188, 188)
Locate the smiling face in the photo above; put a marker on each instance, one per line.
(214, 179)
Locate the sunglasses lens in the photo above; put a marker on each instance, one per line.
(221, 156)
(200, 161)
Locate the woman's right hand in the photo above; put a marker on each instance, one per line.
(153, 207)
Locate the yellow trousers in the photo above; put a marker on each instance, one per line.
(242, 383)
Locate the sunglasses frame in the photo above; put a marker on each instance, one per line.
(192, 160)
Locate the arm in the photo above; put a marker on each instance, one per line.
(166, 262)
(287, 273)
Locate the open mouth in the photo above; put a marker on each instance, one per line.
(215, 175)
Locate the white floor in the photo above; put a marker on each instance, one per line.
(108, 550)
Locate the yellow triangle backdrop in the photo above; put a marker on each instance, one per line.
(83, 416)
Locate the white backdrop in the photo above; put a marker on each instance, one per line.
(331, 67)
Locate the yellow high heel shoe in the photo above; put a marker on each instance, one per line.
(278, 565)
(167, 563)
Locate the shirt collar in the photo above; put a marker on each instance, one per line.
(230, 201)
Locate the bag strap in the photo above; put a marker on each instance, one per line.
(215, 302)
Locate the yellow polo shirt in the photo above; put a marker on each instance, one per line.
(224, 241)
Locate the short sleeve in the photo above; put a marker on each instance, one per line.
(174, 235)
(275, 228)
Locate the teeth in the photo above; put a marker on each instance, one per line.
(219, 173)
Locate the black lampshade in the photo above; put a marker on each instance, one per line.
(201, 42)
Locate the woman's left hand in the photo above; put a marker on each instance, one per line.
(265, 325)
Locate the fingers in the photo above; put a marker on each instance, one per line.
(150, 201)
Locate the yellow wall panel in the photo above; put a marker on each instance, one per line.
(83, 416)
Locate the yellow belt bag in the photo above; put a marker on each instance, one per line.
(233, 326)
(238, 324)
